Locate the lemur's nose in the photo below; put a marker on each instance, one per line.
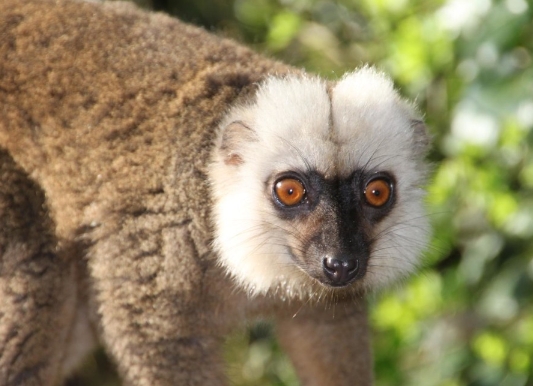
(340, 272)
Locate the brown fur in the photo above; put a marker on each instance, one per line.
(107, 120)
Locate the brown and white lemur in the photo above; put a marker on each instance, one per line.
(160, 185)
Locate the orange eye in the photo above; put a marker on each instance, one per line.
(378, 192)
(289, 191)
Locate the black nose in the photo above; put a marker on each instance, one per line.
(340, 272)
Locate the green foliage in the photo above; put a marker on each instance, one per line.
(467, 318)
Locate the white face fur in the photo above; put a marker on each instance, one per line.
(336, 143)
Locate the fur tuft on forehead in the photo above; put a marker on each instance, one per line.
(292, 107)
(291, 115)
(372, 124)
(307, 127)
(366, 99)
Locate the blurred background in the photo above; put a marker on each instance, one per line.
(467, 317)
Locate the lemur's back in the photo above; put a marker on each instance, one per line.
(73, 99)
(107, 119)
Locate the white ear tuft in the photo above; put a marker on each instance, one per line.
(234, 137)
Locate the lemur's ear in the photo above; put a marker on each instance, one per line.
(234, 137)
(421, 137)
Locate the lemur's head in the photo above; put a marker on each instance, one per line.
(318, 187)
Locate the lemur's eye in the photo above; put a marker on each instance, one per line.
(289, 191)
(378, 192)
